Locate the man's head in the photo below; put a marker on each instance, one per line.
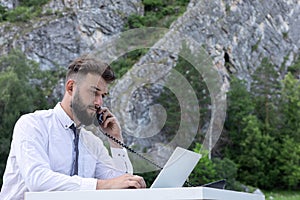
(87, 82)
(83, 65)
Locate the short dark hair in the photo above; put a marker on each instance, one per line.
(87, 64)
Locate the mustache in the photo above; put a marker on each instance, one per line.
(92, 107)
(84, 108)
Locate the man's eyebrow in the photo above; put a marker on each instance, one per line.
(98, 89)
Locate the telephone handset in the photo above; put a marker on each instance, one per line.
(100, 117)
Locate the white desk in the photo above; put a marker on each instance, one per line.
(187, 193)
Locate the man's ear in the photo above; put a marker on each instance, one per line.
(70, 86)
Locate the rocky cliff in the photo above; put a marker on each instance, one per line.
(71, 28)
(238, 32)
(243, 32)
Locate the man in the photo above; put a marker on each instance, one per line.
(45, 154)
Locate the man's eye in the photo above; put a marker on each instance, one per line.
(96, 93)
(103, 96)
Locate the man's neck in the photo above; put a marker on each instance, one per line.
(67, 109)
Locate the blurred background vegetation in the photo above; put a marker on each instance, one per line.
(260, 143)
(26, 10)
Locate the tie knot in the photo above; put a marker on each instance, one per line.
(73, 128)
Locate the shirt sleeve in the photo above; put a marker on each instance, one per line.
(121, 160)
(111, 166)
(30, 147)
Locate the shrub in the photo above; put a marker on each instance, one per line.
(32, 3)
(19, 14)
(3, 13)
(205, 171)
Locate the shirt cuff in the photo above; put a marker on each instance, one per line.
(88, 184)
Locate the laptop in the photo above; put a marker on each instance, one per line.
(177, 169)
(220, 184)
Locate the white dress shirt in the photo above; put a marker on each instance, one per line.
(42, 155)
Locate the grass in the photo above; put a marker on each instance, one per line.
(282, 195)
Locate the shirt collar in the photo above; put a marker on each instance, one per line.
(64, 119)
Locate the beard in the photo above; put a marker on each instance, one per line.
(80, 111)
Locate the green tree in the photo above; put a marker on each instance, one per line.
(290, 107)
(170, 101)
(204, 172)
(256, 154)
(24, 88)
(240, 104)
(227, 169)
(288, 159)
(210, 170)
(263, 127)
(266, 88)
(249, 146)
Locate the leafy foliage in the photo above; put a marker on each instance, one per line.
(30, 3)
(171, 104)
(209, 170)
(204, 171)
(3, 12)
(288, 159)
(240, 104)
(23, 88)
(19, 14)
(126, 61)
(158, 13)
(26, 10)
(227, 169)
(263, 126)
(253, 161)
(290, 106)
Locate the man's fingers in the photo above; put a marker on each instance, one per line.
(124, 181)
(109, 120)
(136, 182)
(141, 181)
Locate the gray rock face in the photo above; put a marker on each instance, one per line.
(55, 42)
(239, 32)
(244, 32)
(75, 28)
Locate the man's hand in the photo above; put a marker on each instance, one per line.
(111, 126)
(122, 182)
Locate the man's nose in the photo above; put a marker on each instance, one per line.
(98, 100)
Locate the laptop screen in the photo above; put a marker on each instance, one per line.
(177, 169)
